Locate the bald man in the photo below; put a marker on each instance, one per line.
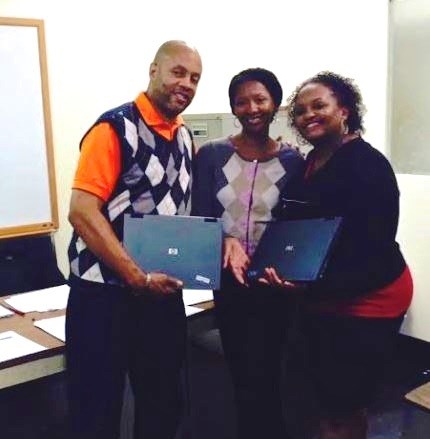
(120, 319)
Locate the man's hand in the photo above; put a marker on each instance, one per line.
(157, 284)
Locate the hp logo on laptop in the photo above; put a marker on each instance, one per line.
(289, 248)
(173, 251)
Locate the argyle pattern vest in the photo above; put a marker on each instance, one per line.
(155, 179)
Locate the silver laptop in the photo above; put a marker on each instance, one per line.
(188, 248)
(297, 249)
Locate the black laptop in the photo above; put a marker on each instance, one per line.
(186, 247)
(297, 249)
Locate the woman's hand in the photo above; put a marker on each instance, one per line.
(271, 277)
(236, 259)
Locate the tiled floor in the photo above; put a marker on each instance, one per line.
(38, 409)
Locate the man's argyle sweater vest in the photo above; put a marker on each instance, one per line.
(155, 179)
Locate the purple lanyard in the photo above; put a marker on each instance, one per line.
(251, 199)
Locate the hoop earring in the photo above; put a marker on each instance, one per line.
(236, 122)
(301, 141)
(345, 128)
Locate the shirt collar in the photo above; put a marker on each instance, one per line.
(153, 118)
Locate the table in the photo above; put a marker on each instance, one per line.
(52, 360)
(36, 365)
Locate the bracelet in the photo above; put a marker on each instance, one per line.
(148, 280)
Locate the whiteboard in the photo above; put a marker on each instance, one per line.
(27, 178)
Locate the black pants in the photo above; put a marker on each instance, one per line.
(252, 323)
(110, 332)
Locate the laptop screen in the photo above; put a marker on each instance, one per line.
(188, 248)
(297, 249)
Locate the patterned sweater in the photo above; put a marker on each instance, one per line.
(241, 192)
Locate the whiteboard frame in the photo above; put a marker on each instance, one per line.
(51, 224)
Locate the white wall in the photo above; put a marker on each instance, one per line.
(98, 55)
(414, 238)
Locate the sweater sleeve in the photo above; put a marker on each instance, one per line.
(203, 182)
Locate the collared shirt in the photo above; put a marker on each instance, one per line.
(99, 163)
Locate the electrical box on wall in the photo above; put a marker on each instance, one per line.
(206, 127)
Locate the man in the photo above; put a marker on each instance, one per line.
(135, 159)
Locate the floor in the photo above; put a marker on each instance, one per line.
(39, 410)
(391, 416)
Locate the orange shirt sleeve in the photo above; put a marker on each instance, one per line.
(99, 163)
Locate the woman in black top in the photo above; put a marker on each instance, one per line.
(353, 314)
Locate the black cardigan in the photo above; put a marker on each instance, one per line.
(358, 184)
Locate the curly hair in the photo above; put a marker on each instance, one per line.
(266, 77)
(347, 94)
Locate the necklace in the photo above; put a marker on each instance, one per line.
(253, 149)
(318, 161)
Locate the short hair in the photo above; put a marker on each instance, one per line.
(266, 77)
(347, 94)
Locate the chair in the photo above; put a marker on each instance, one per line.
(28, 263)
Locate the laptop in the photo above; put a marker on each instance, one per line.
(186, 247)
(297, 249)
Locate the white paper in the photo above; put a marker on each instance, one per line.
(13, 345)
(190, 310)
(191, 297)
(4, 312)
(55, 326)
(48, 299)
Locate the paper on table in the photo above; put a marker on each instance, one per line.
(4, 312)
(13, 345)
(192, 297)
(48, 299)
(54, 326)
(190, 310)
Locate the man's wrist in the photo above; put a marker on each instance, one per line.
(148, 279)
